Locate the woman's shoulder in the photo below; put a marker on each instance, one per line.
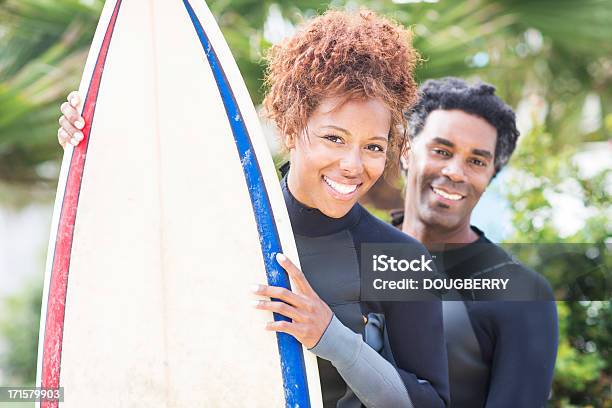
(376, 230)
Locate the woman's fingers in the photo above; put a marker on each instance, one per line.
(71, 121)
(75, 134)
(283, 294)
(279, 307)
(72, 115)
(292, 328)
(309, 313)
(74, 99)
(63, 137)
(296, 275)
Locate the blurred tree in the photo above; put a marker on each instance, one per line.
(583, 373)
(582, 378)
(19, 331)
(43, 49)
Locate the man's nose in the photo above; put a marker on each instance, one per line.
(454, 171)
(352, 162)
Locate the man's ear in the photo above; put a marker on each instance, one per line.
(495, 171)
(404, 156)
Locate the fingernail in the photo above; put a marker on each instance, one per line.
(78, 136)
(255, 303)
(254, 288)
(280, 257)
(80, 123)
(74, 101)
(73, 141)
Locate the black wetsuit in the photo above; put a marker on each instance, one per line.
(329, 250)
(501, 353)
(507, 359)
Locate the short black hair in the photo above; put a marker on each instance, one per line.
(478, 99)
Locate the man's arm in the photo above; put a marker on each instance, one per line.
(524, 355)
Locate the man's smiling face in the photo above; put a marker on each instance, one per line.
(450, 164)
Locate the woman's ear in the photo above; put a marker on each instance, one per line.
(289, 141)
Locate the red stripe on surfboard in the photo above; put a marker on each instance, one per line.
(54, 324)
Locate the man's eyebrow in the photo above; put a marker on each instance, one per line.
(483, 153)
(478, 152)
(442, 141)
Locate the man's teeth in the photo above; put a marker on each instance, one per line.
(454, 197)
(341, 188)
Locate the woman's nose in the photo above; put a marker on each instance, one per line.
(352, 162)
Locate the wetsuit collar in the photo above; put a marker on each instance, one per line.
(482, 239)
(311, 222)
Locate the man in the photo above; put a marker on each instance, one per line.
(501, 353)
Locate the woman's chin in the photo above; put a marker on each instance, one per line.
(337, 210)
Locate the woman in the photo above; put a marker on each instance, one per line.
(337, 90)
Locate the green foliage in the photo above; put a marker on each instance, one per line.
(19, 330)
(582, 374)
(583, 371)
(44, 45)
(380, 214)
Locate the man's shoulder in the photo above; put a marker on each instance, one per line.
(524, 282)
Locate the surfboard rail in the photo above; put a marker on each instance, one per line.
(62, 225)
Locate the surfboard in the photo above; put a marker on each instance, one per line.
(166, 213)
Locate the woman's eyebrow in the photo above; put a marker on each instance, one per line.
(382, 138)
(338, 129)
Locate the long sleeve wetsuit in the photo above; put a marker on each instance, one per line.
(501, 353)
(416, 364)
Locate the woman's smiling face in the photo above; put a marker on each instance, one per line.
(340, 155)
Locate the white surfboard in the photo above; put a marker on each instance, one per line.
(166, 213)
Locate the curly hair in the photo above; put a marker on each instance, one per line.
(478, 99)
(347, 55)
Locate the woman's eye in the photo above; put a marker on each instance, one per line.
(333, 139)
(375, 148)
(441, 152)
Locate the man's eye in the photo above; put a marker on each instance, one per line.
(441, 152)
(333, 139)
(479, 163)
(375, 148)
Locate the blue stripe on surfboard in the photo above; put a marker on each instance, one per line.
(290, 350)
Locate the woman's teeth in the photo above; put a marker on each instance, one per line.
(339, 187)
(448, 196)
